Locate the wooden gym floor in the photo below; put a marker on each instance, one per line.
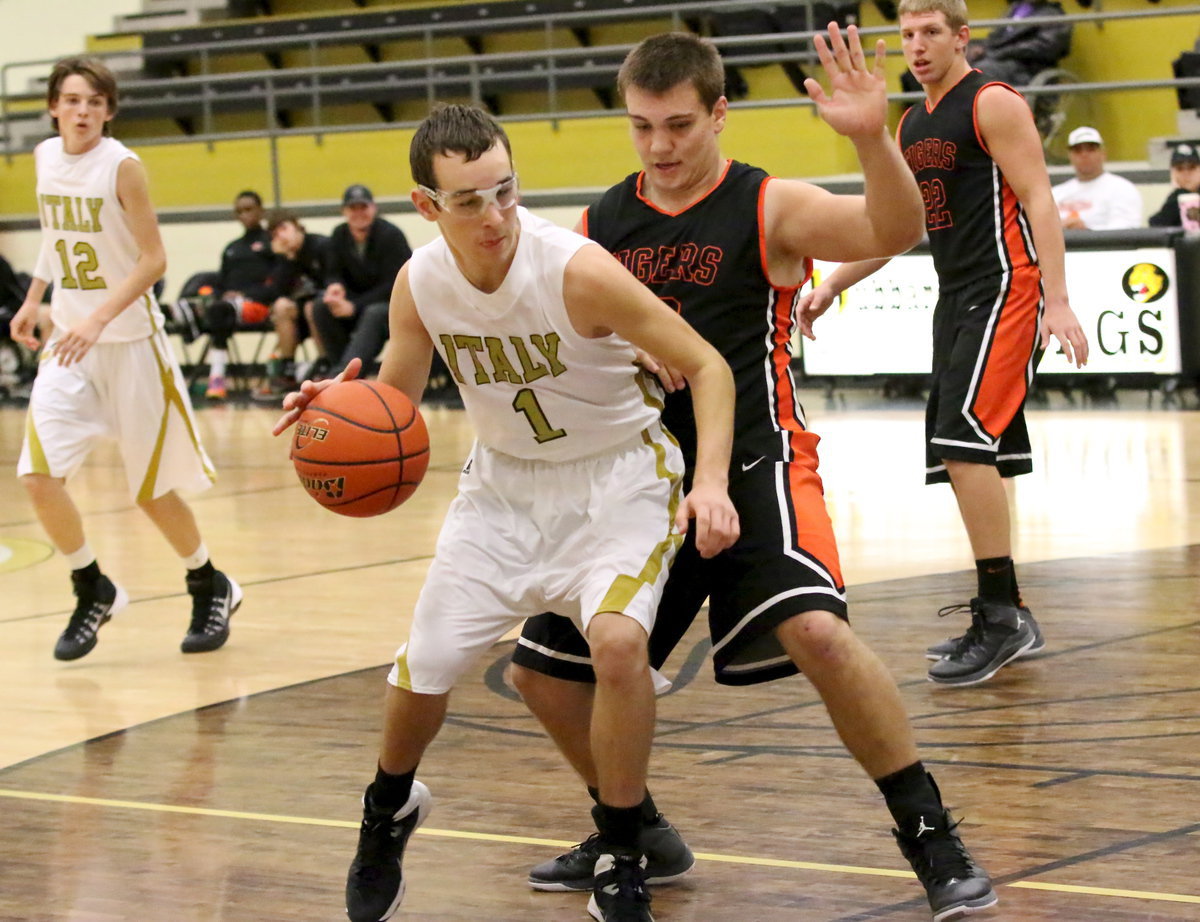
(142, 784)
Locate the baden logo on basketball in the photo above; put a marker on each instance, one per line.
(330, 488)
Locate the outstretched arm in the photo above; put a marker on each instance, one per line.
(803, 220)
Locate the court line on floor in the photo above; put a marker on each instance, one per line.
(558, 843)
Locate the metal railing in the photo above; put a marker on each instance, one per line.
(550, 69)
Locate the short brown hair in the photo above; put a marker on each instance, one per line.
(452, 129)
(955, 11)
(93, 70)
(279, 216)
(661, 62)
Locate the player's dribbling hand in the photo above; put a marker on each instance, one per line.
(717, 525)
(858, 104)
(297, 401)
(672, 380)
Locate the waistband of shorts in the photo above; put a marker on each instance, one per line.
(656, 433)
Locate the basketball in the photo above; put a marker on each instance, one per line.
(360, 448)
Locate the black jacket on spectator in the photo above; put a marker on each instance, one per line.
(303, 277)
(247, 264)
(1015, 53)
(1168, 215)
(369, 277)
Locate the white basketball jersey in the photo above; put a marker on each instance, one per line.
(532, 386)
(87, 246)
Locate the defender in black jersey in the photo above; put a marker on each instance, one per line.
(998, 250)
(729, 247)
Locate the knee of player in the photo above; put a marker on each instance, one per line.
(531, 685)
(815, 635)
(618, 647)
(41, 486)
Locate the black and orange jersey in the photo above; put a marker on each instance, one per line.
(708, 262)
(976, 225)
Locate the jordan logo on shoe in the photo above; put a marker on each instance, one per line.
(922, 828)
(610, 889)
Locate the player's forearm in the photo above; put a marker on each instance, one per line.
(847, 275)
(1051, 249)
(894, 205)
(712, 402)
(148, 269)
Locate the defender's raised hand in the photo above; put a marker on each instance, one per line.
(858, 104)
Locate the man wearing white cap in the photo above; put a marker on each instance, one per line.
(1095, 199)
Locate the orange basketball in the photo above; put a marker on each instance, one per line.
(360, 448)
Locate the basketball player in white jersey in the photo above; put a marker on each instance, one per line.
(107, 370)
(570, 499)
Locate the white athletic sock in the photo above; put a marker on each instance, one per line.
(216, 362)
(197, 558)
(79, 559)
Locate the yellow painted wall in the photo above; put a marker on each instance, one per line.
(593, 153)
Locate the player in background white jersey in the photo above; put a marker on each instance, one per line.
(107, 370)
(570, 500)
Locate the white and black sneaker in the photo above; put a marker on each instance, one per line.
(619, 892)
(998, 635)
(954, 884)
(375, 884)
(950, 644)
(96, 602)
(214, 600)
(668, 858)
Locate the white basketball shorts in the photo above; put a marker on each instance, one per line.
(523, 537)
(132, 392)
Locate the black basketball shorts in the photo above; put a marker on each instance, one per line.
(985, 350)
(784, 563)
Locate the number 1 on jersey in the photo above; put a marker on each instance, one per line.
(526, 402)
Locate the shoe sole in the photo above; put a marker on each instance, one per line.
(967, 909)
(976, 679)
(582, 884)
(1032, 651)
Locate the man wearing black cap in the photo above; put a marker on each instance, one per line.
(1185, 177)
(366, 253)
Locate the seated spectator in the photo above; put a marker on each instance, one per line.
(301, 267)
(1014, 54)
(1185, 177)
(243, 290)
(350, 318)
(1095, 199)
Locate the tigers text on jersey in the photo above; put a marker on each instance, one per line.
(708, 261)
(532, 386)
(976, 225)
(87, 245)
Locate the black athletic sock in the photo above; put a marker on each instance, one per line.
(1015, 590)
(912, 798)
(619, 826)
(390, 792)
(648, 807)
(85, 576)
(996, 578)
(204, 571)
